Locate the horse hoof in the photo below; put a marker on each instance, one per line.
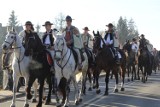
(77, 103)
(47, 102)
(34, 100)
(59, 106)
(106, 93)
(98, 91)
(90, 89)
(39, 105)
(66, 106)
(94, 87)
(80, 100)
(26, 105)
(122, 89)
(128, 80)
(116, 91)
(138, 78)
(44, 98)
(29, 96)
(12, 106)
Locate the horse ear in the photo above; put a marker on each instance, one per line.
(13, 29)
(93, 33)
(98, 32)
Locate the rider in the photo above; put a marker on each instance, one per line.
(70, 32)
(48, 37)
(86, 37)
(111, 41)
(28, 32)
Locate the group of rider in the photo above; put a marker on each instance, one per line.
(74, 39)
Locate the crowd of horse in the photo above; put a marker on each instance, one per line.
(36, 69)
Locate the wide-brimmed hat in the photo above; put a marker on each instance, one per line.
(110, 25)
(28, 23)
(86, 28)
(47, 23)
(142, 35)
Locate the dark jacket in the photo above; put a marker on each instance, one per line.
(111, 38)
(50, 36)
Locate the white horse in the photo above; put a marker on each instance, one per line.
(67, 71)
(20, 64)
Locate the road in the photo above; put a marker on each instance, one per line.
(136, 94)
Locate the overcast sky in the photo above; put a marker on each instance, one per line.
(92, 13)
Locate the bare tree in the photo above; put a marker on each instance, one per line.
(59, 21)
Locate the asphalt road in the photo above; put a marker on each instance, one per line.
(136, 94)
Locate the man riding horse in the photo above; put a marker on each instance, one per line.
(71, 32)
(111, 41)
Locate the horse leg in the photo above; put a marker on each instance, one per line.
(97, 81)
(76, 91)
(123, 70)
(94, 79)
(35, 86)
(57, 92)
(26, 100)
(53, 83)
(15, 82)
(5, 79)
(138, 72)
(49, 80)
(28, 89)
(107, 81)
(40, 92)
(116, 77)
(90, 79)
(128, 69)
(132, 70)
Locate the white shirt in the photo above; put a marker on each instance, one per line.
(134, 47)
(109, 41)
(47, 40)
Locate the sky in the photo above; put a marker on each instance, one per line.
(92, 13)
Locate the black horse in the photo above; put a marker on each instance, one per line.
(104, 61)
(39, 68)
(145, 61)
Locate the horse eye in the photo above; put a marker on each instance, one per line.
(12, 37)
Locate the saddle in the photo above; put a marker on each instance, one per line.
(49, 58)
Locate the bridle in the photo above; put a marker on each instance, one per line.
(61, 51)
(14, 40)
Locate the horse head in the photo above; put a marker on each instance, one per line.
(97, 41)
(10, 40)
(60, 47)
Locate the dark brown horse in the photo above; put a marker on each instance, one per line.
(105, 61)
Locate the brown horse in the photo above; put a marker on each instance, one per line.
(105, 61)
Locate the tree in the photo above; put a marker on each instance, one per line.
(60, 21)
(133, 32)
(122, 30)
(13, 19)
(38, 27)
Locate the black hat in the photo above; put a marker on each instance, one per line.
(110, 25)
(86, 28)
(28, 23)
(69, 18)
(47, 23)
(142, 35)
(134, 39)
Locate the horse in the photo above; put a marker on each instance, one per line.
(105, 61)
(145, 62)
(40, 69)
(67, 71)
(20, 63)
(91, 67)
(132, 62)
(155, 61)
